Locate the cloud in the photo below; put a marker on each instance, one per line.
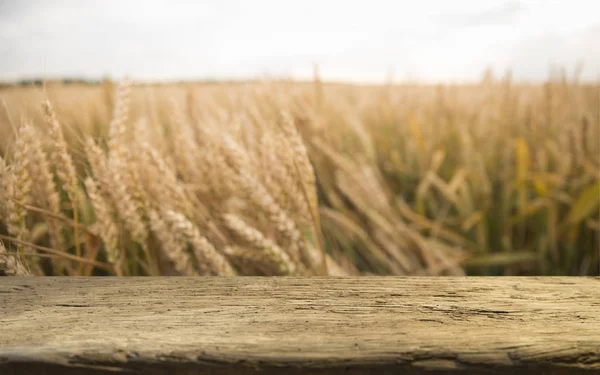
(360, 41)
(500, 14)
(537, 56)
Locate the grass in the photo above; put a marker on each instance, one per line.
(282, 178)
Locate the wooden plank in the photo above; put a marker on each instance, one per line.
(299, 325)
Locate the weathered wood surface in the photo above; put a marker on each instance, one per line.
(299, 325)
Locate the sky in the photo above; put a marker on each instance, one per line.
(357, 41)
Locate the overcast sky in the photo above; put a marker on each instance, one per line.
(349, 40)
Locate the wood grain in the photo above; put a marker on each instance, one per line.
(299, 325)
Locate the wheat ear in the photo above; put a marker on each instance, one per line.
(3, 188)
(65, 168)
(18, 186)
(305, 169)
(47, 195)
(117, 127)
(249, 186)
(99, 164)
(306, 175)
(167, 188)
(172, 247)
(11, 265)
(273, 258)
(278, 180)
(210, 261)
(108, 230)
(126, 207)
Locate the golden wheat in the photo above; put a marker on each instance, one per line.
(268, 178)
(10, 265)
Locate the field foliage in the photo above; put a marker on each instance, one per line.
(280, 178)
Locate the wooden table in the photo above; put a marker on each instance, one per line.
(380, 325)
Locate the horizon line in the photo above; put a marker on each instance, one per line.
(72, 79)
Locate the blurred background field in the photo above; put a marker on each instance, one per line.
(492, 178)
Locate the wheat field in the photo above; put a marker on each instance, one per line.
(290, 178)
